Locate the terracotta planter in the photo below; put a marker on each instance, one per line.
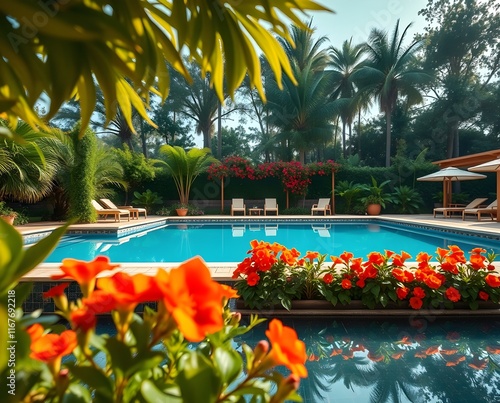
(373, 209)
(181, 211)
(9, 219)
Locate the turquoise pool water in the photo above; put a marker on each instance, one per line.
(393, 360)
(230, 242)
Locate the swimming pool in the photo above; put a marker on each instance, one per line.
(217, 242)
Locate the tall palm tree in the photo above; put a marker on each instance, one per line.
(198, 101)
(302, 109)
(344, 62)
(389, 73)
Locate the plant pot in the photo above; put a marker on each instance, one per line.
(181, 211)
(373, 209)
(9, 219)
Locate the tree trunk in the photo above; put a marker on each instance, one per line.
(343, 138)
(349, 151)
(143, 139)
(388, 138)
(219, 131)
(359, 133)
(302, 156)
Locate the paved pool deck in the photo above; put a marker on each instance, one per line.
(223, 271)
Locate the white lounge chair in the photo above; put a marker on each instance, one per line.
(238, 205)
(323, 205)
(270, 205)
(135, 211)
(491, 209)
(447, 210)
(322, 230)
(101, 211)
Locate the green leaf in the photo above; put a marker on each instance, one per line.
(144, 361)
(93, 377)
(376, 290)
(22, 292)
(76, 393)
(229, 363)
(195, 369)
(154, 395)
(121, 357)
(474, 305)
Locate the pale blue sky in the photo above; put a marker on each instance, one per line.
(356, 18)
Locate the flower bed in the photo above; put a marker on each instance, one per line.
(274, 275)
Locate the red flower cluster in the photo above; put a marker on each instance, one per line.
(294, 176)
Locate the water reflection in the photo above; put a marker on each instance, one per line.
(399, 360)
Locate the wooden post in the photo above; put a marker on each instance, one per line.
(333, 192)
(222, 195)
(445, 193)
(287, 204)
(498, 194)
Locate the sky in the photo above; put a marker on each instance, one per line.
(356, 18)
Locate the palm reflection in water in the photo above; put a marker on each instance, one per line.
(398, 360)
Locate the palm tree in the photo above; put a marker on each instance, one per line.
(389, 73)
(184, 167)
(344, 62)
(198, 101)
(27, 169)
(302, 110)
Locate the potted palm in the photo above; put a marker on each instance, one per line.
(376, 198)
(184, 167)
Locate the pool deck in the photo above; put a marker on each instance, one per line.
(223, 271)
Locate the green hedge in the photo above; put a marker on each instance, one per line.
(204, 189)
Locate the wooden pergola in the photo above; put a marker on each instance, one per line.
(473, 160)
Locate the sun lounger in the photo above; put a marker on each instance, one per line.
(135, 211)
(116, 213)
(270, 205)
(323, 205)
(491, 210)
(448, 210)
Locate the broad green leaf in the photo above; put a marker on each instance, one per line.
(154, 395)
(144, 361)
(229, 363)
(195, 369)
(121, 356)
(93, 377)
(76, 393)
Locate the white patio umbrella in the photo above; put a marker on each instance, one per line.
(490, 166)
(448, 175)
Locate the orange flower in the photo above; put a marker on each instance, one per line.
(346, 284)
(84, 273)
(336, 351)
(83, 319)
(402, 292)
(328, 278)
(253, 279)
(493, 349)
(397, 356)
(287, 349)
(52, 347)
(433, 281)
(478, 364)
(484, 295)
(402, 275)
(376, 258)
(193, 299)
(375, 358)
(56, 291)
(399, 260)
(100, 302)
(492, 281)
(448, 352)
(35, 331)
(128, 291)
(477, 261)
(419, 292)
(311, 255)
(228, 292)
(416, 303)
(346, 256)
(453, 294)
(356, 265)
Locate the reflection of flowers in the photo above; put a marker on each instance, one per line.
(274, 274)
